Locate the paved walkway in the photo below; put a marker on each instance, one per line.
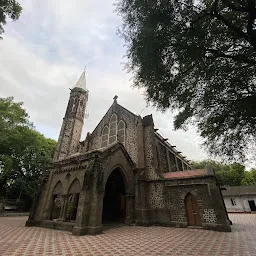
(15, 239)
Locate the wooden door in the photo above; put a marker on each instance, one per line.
(192, 210)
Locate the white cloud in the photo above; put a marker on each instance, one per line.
(43, 54)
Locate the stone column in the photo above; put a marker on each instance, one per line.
(142, 211)
(82, 215)
(129, 205)
(95, 217)
(89, 215)
(44, 209)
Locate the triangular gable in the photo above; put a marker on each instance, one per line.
(114, 108)
(114, 147)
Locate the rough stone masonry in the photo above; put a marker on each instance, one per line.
(123, 172)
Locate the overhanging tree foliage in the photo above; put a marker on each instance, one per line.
(233, 174)
(10, 9)
(24, 152)
(197, 57)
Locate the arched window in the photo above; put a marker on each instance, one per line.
(57, 200)
(104, 137)
(74, 193)
(121, 131)
(112, 129)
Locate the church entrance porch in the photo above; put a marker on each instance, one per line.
(114, 203)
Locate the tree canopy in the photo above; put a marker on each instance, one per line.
(24, 152)
(229, 174)
(10, 9)
(197, 57)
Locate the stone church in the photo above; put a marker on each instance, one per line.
(123, 172)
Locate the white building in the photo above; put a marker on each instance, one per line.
(240, 198)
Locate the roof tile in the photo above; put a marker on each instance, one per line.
(185, 174)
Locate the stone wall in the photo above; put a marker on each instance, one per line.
(162, 157)
(131, 134)
(156, 195)
(65, 175)
(163, 203)
(71, 130)
(151, 163)
(205, 190)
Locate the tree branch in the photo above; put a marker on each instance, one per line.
(251, 19)
(240, 58)
(234, 7)
(239, 32)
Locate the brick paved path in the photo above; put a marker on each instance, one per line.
(15, 239)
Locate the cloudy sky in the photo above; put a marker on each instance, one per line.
(44, 53)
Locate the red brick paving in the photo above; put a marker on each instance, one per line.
(16, 239)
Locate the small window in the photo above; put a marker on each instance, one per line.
(233, 202)
(104, 137)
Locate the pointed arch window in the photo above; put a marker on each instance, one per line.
(114, 132)
(121, 131)
(104, 137)
(112, 129)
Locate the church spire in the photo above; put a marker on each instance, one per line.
(81, 83)
(71, 130)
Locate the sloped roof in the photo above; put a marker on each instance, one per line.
(239, 190)
(79, 156)
(186, 174)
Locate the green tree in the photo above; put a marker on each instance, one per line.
(197, 57)
(248, 179)
(11, 9)
(253, 172)
(24, 152)
(227, 174)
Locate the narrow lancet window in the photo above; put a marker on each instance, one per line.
(112, 129)
(104, 137)
(121, 132)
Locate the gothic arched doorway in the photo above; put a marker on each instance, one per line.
(114, 198)
(192, 210)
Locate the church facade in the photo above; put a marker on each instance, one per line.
(125, 172)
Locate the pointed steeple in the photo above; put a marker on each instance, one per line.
(81, 83)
